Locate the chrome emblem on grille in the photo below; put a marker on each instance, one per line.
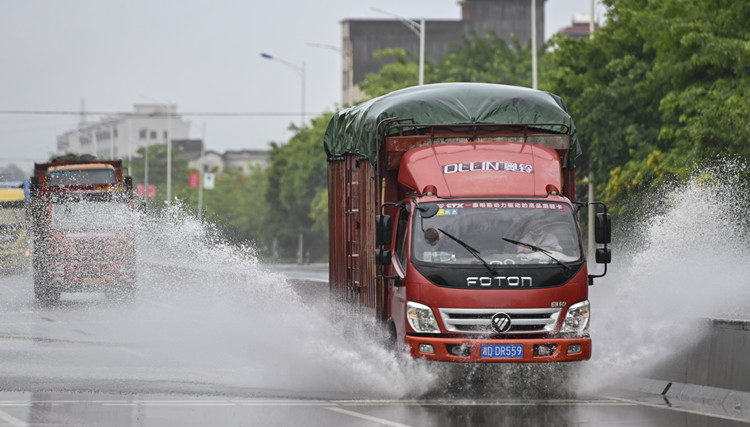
(500, 322)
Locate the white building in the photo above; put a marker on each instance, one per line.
(121, 135)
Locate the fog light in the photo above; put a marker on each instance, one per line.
(574, 348)
(459, 350)
(544, 349)
(426, 348)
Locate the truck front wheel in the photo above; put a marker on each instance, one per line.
(46, 295)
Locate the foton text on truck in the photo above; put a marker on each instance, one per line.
(453, 221)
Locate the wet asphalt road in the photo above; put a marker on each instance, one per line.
(172, 358)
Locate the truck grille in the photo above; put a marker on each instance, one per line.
(477, 321)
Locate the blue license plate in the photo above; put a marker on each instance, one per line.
(502, 351)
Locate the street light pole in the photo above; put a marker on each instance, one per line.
(169, 155)
(534, 78)
(299, 69)
(417, 28)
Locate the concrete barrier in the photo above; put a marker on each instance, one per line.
(721, 359)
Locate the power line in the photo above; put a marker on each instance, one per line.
(156, 114)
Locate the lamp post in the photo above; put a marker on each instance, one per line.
(169, 154)
(534, 83)
(418, 29)
(346, 57)
(301, 71)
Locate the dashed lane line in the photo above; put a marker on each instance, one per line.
(366, 417)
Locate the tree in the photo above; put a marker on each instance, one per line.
(236, 205)
(487, 59)
(478, 58)
(668, 77)
(295, 180)
(401, 73)
(157, 173)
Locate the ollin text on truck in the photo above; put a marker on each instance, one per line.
(82, 228)
(453, 222)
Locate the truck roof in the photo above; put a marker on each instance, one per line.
(41, 169)
(80, 166)
(354, 129)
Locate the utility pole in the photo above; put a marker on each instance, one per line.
(534, 79)
(591, 241)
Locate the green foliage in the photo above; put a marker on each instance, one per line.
(157, 172)
(487, 59)
(404, 72)
(236, 205)
(295, 181)
(661, 87)
(628, 182)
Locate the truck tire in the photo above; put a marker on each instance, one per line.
(45, 294)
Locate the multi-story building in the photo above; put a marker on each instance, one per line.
(580, 27)
(361, 38)
(213, 161)
(121, 135)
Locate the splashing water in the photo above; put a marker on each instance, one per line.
(209, 312)
(240, 325)
(686, 262)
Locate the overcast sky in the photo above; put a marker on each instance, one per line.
(200, 55)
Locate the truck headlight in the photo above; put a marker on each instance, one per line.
(421, 317)
(577, 318)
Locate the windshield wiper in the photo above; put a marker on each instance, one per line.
(469, 249)
(537, 249)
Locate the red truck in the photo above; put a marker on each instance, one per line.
(82, 228)
(453, 222)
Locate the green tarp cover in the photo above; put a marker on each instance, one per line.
(353, 130)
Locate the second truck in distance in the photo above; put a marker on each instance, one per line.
(83, 234)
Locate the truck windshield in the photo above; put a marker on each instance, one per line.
(82, 177)
(507, 232)
(89, 216)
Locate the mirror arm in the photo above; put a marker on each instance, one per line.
(397, 280)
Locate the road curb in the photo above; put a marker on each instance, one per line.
(730, 403)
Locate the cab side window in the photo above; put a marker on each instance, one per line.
(400, 247)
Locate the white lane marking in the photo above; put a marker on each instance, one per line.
(366, 417)
(7, 418)
(687, 411)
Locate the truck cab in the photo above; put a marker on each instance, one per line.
(487, 260)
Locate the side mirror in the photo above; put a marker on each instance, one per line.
(382, 256)
(603, 228)
(129, 181)
(383, 230)
(603, 255)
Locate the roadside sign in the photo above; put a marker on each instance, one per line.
(208, 181)
(151, 190)
(194, 180)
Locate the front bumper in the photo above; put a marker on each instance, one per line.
(535, 350)
(90, 276)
